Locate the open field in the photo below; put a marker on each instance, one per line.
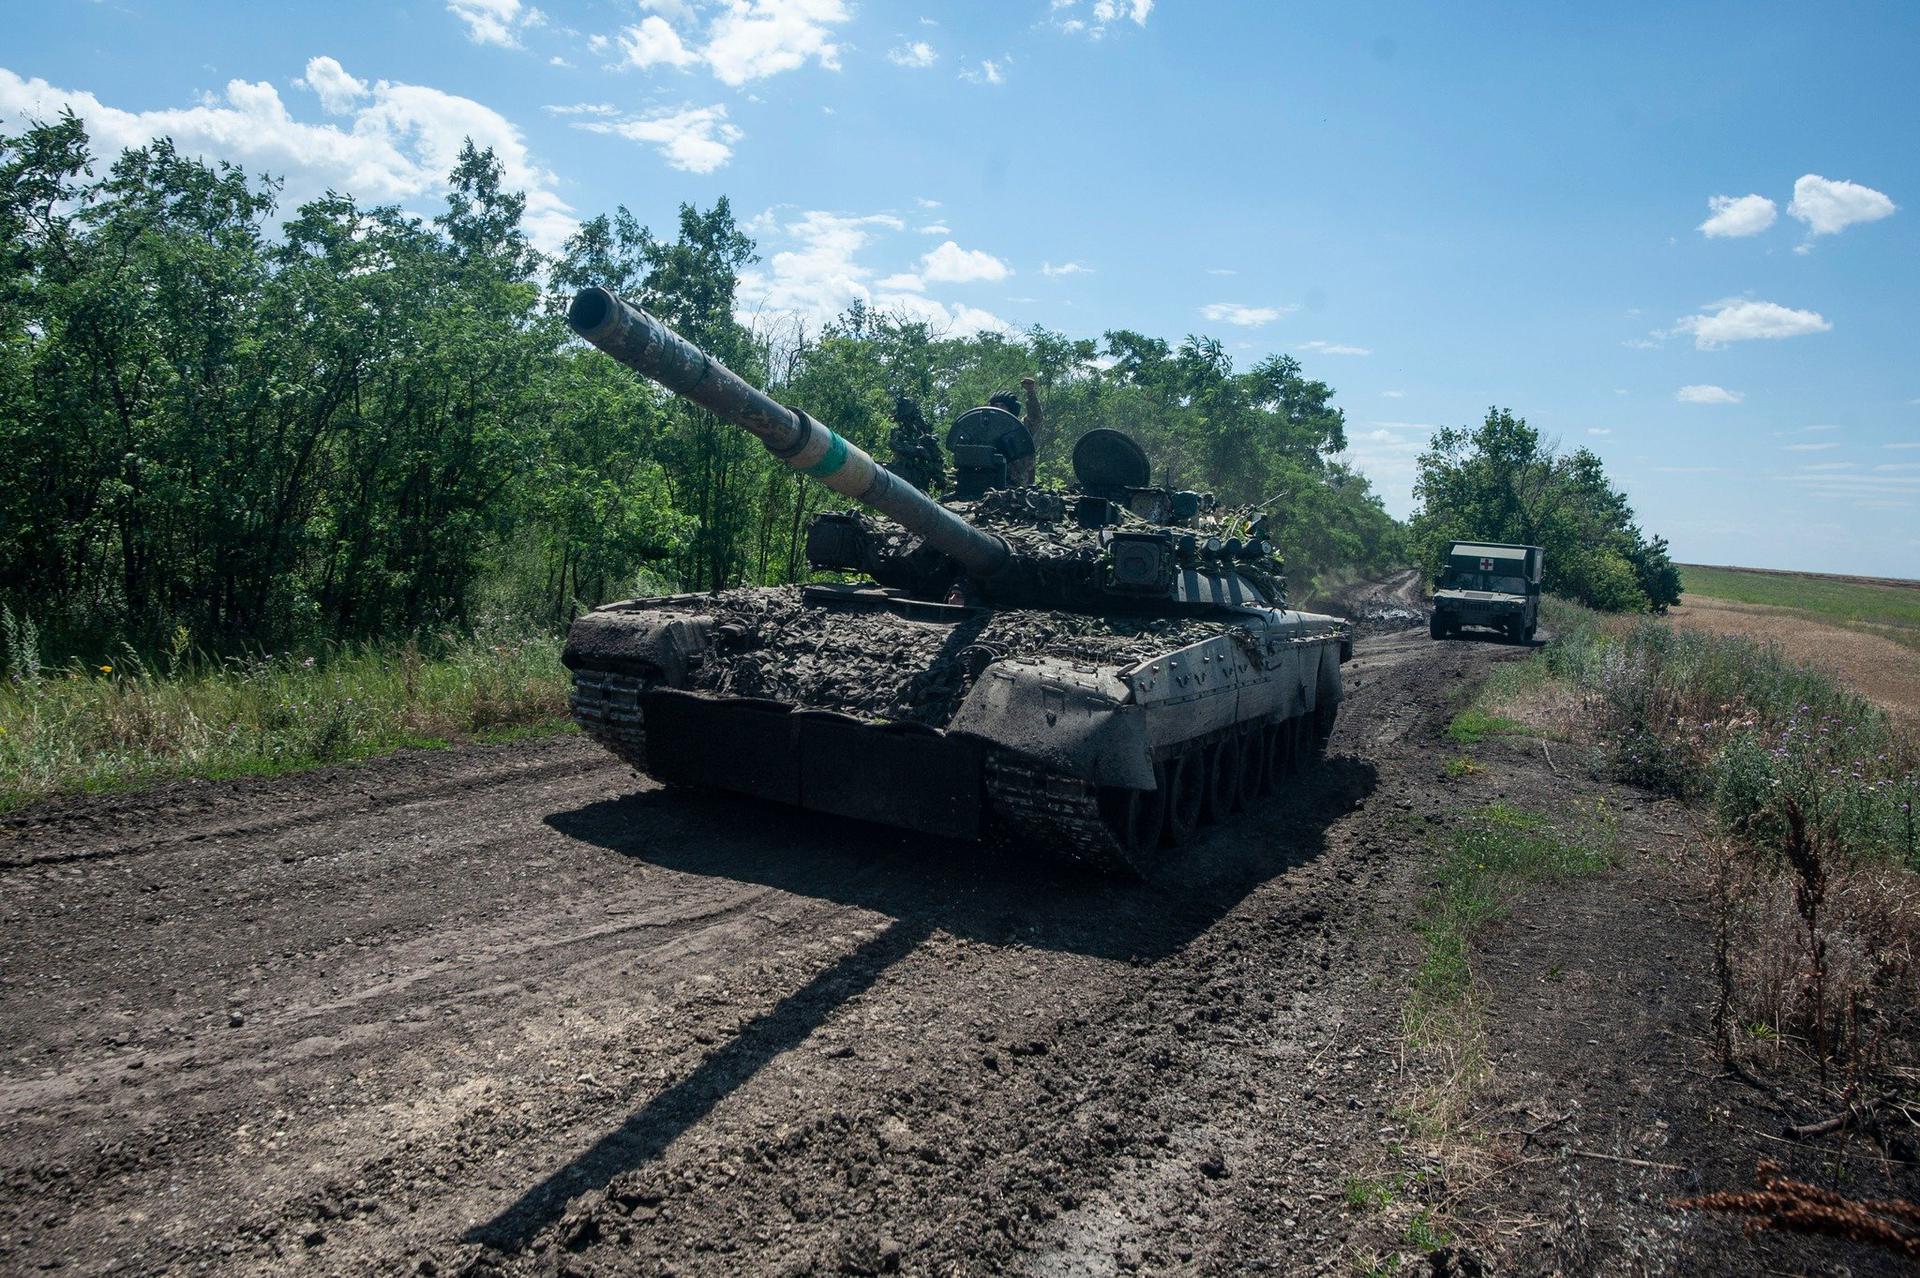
(507, 1010)
(1883, 605)
(1864, 630)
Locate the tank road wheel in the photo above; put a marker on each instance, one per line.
(1254, 779)
(1434, 629)
(1279, 754)
(1186, 788)
(1135, 816)
(1223, 779)
(1317, 731)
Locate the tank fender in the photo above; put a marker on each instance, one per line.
(1070, 718)
(1332, 688)
(655, 645)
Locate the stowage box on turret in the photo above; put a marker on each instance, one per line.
(1095, 673)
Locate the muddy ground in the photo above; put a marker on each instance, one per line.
(511, 1010)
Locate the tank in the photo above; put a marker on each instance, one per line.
(1093, 674)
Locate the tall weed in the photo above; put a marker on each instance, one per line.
(125, 719)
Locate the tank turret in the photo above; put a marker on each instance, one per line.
(1118, 543)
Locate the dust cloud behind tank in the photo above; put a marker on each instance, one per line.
(1092, 673)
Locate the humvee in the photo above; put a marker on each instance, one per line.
(1488, 584)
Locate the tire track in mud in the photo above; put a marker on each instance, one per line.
(526, 1013)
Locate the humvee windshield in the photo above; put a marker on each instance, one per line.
(1461, 579)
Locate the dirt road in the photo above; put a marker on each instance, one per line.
(512, 1010)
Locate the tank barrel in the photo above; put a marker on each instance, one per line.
(650, 348)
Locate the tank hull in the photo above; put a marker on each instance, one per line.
(1054, 750)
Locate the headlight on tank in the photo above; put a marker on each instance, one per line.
(1140, 563)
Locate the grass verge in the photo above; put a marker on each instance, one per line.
(1480, 869)
(124, 721)
(1487, 861)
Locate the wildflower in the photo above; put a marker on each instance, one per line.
(307, 664)
(106, 669)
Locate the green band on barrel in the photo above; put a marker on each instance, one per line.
(836, 457)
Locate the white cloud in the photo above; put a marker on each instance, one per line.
(989, 72)
(494, 21)
(1319, 347)
(653, 42)
(1809, 448)
(1831, 466)
(951, 264)
(918, 55)
(1241, 314)
(936, 228)
(672, 10)
(925, 203)
(1708, 395)
(1101, 15)
(1393, 394)
(1744, 215)
(753, 39)
(398, 146)
(1899, 466)
(1903, 444)
(1828, 207)
(821, 274)
(1599, 430)
(1388, 454)
(694, 139)
(1744, 321)
(330, 82)
(1686, 470)
(1065, 268)
(1221, 270)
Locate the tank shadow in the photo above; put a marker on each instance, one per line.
(1000, 896)
(926, 885)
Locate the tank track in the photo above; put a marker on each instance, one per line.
(1053, 811)
(607, 706)
(1031, 804)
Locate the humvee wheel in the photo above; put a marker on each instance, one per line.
(1434, 629)
(1223, 779)
(1186, 787)
(1135, 816)
(1255, 781)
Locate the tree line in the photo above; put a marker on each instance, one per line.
(357, 422)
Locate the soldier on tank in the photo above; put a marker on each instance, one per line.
(1020, 447)
(916, 449)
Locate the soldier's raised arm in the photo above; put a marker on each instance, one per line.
(1029, 392)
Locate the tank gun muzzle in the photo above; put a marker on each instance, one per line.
(650, 348)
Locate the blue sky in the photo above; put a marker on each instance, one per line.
(1434, 207)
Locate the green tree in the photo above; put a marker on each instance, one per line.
(1500, 482)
